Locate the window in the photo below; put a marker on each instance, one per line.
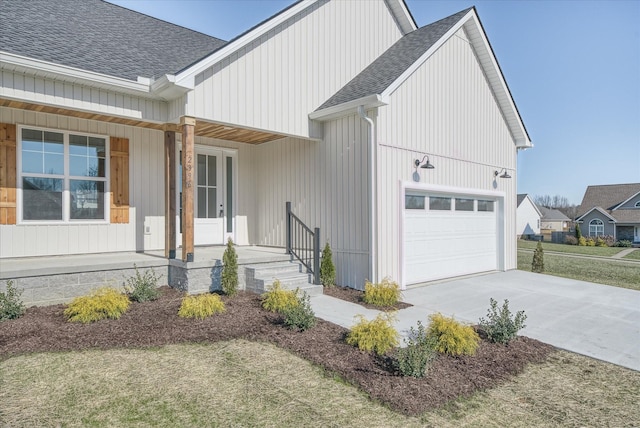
(637, 205)
(596, 227)
(414, 202)
(438, 203)
(485, 205)
(63, 175)
(464, 204)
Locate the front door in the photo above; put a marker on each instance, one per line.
(213, 196)
(637, 234)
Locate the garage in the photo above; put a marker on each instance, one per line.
(449, 234)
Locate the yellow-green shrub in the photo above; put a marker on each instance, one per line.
(582, 241)
(377, 335)
(591, 242)
(105, 302)
(452, 337)
(385, 293)
(201, 306)
(278, 300)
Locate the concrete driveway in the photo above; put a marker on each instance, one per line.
(596, 320)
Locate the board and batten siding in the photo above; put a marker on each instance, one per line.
(326, 182)
(39, 90)
(445, 109)
(146, 190)
(277, 80)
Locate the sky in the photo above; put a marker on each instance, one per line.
(573, 68)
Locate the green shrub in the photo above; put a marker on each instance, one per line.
(591, 242)
(377, 335)
(105, 302)
(230, 270)
(414, 359)
(582, 241)
(500, 326)
(142, 288)
(601, 242)
(11, 306)
(578, 232)
(327, 269)
(201, 306)
(300, 316)
(624, 243)
(277, 299)
(537, 265)
(452, 337)
(385, 293)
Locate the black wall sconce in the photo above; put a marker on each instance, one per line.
(425, 165)
(505, 174)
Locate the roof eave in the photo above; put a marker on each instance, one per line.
(349, 107)
(31, 66)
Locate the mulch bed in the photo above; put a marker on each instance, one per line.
(152, 324)
(356, 296)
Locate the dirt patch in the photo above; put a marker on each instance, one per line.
(150, 324)
(356, 296)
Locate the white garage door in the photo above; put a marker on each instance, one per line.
(447, 236)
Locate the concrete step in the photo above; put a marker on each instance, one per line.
(292, 275)
(268, 270)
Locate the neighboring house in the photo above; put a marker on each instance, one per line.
(612, 210)
(528, 216)
(553, 220)
(120, 132)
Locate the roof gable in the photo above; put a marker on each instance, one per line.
(99, 37)
(525, 197)
(378, 81)
(608, 196)
(597, 209)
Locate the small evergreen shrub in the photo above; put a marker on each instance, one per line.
(601, 242)
(230, 270)
(201, 306)
(582, 241)
(142, 288)
(591, 242)
(500, 326)
(11, 307)
(570, 240)
(327, 269)
(414, 359)
(277, 299)
(452, 337)
(537, 265)
(624, 243)
(578, 232)
(385, 293)
(299, 317)
(377, 335)
(105, 302)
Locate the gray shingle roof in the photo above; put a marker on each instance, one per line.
(381, 73)
(101, 37)
(552, 214)
(608, 197)
(521, 197)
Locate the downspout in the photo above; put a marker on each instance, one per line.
(372, 194)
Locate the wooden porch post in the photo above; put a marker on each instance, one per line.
(188, 171)
(170, 191)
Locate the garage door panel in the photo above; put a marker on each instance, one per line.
(444, 244)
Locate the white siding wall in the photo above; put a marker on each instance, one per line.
(146, 197)
(528, 219)
(326, 183)
(276, 81)
(73, 96)
(445, 109)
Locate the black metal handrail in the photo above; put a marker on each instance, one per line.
(303, 244)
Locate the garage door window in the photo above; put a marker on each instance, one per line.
(464, 204)
(437, 203)
(485, 205)
(414, 202)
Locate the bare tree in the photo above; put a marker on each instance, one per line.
(560, 203)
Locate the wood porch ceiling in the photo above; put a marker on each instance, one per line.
(203, 129)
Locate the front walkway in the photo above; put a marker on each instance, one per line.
(596, 320)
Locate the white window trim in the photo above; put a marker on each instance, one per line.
(637, 204)
(601, 224)
(66, 198)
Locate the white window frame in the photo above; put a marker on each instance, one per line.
(597, 226)
(66, 177)
(637, 205)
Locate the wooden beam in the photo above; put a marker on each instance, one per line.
(188, 188)
(170, 194)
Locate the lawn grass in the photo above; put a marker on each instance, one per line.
(240, 383)
(601, 271)
(573, 249)
(635, 255)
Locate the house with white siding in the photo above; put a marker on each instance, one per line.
(528, 216)
(121, 133)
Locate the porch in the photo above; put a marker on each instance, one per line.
(50, 280)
